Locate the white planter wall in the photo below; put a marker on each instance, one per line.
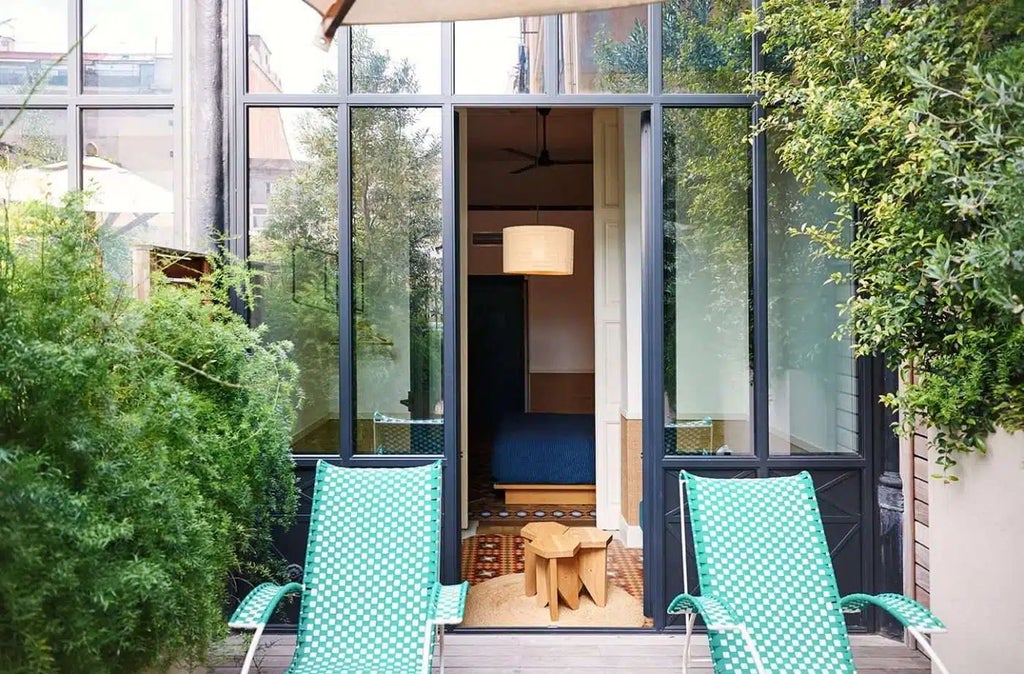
(977, 560)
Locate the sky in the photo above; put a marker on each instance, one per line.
(290, 34)
(116, 25)
(300, 64)
(288, 27)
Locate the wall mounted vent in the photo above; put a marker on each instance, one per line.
(487, 238)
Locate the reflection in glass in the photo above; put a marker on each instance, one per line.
(399, 59)
(605, 51)
(33, 37)
(293, 250)
(128, 47)
(708, 361)
(812, 389)
(706, 46)
(503, 56)
(33, 155)
(396, 279)
(279, 59)
(128, 177)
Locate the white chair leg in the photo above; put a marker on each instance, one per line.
(440, 646)
(926, 646)
(691, 618)
(247, 663)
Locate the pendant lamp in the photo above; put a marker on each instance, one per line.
(537, 250)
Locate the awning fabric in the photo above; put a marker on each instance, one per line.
(338, 13)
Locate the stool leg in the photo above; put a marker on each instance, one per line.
(530, 572)
(553, 588)
(569, 582)
(594, 572)
(540, 579)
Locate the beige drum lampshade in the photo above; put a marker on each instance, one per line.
(542, 250)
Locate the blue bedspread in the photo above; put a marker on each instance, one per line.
(544, 449)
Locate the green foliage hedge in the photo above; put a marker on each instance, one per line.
(913, 113)
(143, 454)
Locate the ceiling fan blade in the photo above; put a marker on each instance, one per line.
(572, 162)
(520, 153)
(526, 168)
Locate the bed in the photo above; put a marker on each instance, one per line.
(545, 459)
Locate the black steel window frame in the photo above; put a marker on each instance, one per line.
(655, 101)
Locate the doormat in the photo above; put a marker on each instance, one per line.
(491, 556)
(501, 602)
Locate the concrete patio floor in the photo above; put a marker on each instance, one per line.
(481, 653)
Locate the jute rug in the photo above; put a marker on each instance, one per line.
(500, 602)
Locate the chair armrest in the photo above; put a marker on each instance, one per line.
(257, 607)
(448, 603)
(910, 613)
(716, 614)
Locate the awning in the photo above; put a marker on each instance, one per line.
(338, 13)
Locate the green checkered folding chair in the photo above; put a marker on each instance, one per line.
(371, 599)
(768, 593)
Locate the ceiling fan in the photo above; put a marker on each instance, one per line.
(543, 158)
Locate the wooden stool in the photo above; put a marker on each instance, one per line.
(529, 533)
(556, 571)
(592, 560)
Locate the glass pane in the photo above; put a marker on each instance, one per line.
(706, 46)
(282, 57)
(503, 56)
(128, 177)
(293, 250)
(604, 52)
(33, 155)
(708, 357)
(128, 47)
(402, 59)
(812, 390)
(396, 278)
(33, 37)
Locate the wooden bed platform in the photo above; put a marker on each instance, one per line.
(549, 494)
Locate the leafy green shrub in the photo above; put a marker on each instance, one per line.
(913, 114)
(143, 454)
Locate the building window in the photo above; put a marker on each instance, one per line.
(120, 148)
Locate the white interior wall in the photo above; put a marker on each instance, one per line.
(631, 400)
(609, 197)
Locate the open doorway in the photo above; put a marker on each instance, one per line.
(531, 433)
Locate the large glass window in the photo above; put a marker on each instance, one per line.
(812, 389)
(706, 46)
(293, 250)
(396, 279)
(399, 59)
(279, 59)
(128, 47)
(33, 37)
(126, 156)
(708, 359)
(503, 56)
(605, 51)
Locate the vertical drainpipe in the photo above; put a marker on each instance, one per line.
(205, 131)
